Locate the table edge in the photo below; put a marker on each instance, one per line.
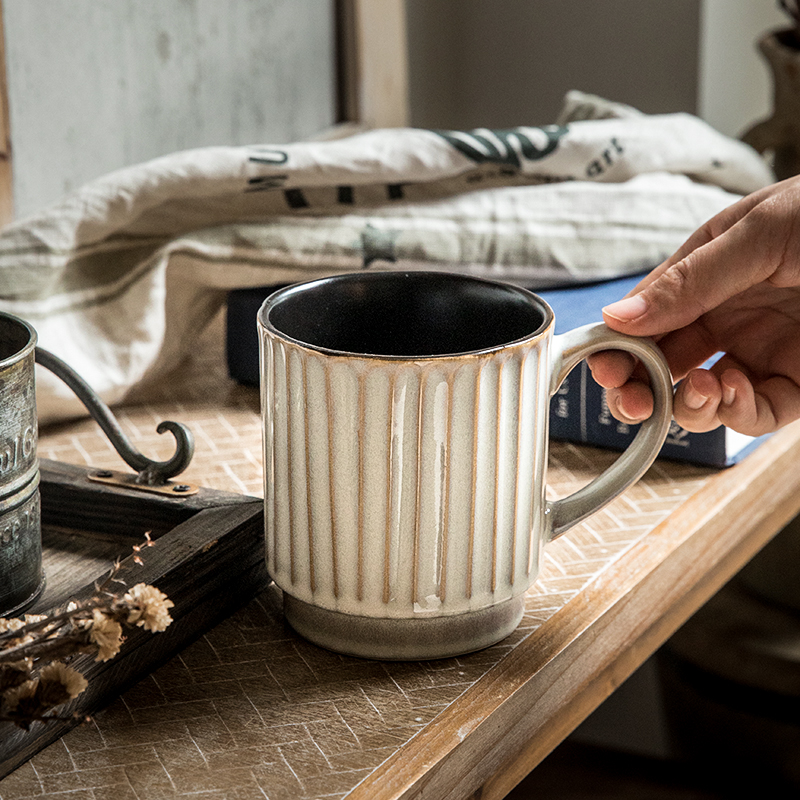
(487, 738)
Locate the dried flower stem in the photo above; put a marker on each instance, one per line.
(34, 674)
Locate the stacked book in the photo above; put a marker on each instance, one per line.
(578, 411)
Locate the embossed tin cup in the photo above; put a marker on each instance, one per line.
(21, 577)
(405, 424)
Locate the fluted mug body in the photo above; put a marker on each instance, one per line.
(405, 503)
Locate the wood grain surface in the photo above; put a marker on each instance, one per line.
(209, 560)
(251, 710)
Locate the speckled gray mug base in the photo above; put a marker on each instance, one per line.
(392, 639)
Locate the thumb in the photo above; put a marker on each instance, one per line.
(703, 274)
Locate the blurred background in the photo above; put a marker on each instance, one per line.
(94, 85)
(91, 86)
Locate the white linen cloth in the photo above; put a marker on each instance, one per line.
(120, 277)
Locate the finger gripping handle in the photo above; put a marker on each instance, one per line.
(569, 349)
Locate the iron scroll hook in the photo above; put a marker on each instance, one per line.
(150, 473)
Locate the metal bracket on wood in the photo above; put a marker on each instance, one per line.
(128, 480)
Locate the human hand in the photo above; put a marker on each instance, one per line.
(733, 287)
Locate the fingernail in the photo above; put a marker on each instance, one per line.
(692, 398)
(728, 394)
(628, 309)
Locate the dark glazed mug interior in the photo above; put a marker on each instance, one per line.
(405, 314)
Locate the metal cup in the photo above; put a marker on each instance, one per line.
(21, 577)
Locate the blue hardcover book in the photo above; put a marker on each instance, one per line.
(579, 412)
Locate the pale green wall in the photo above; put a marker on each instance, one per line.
(95, 85)
(735, 88)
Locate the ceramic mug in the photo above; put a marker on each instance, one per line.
(405, 424)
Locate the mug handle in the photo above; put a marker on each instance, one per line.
(569, 349)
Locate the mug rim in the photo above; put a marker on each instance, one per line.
(27, 348)
(263, 316)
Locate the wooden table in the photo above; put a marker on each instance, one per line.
(251, 710)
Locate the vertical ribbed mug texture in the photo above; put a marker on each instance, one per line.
(404, 488)
(405, 451)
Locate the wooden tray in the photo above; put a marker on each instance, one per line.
(208, 557)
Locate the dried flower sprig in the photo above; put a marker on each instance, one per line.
(34, 675)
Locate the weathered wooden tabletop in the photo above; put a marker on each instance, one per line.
(252, 711)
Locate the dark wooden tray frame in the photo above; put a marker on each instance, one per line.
(208, 557)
